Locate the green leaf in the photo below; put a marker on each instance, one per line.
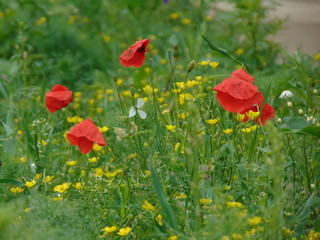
(11, 181)
(8, 129)
(167, 210)
(293, 124)
(312, 130)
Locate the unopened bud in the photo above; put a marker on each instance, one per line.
(289, 104)
(25, 55)
(300, 111)
(315, 91)
(191, 65)
(279, 120)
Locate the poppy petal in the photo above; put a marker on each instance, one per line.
(242, 75)
(135, 54)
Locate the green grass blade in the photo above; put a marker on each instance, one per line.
(224, 52)
(11, 181)
(167, 210)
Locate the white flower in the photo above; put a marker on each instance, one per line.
(310, 119)
(286, 94)
(134, 110)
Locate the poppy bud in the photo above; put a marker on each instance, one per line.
(191, 65)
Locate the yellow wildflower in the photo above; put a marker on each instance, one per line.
(171, 127)
(93, 159)
(185, 97)
(201, 133)
(26, 210)
(110, 229)
(186, 21)
(41, 21)
(78, 185)
(38, 176)
(91, 101)
(105, 38)
(96, 147)
(254, 221)
(163, 61)
(72, 163)
(103, 129)
(227, 187)
(77, 94)
(236, 236)
(147, 172)
(287, 231)
(252, 231)
(57, 198)
(204, 63)
(317, 56)
(239, 51)
(30, 184)
(148, 206)
(159, 220)
(214, 65)
(119, 81)
(22, 160)
(252, 115)
(16, 190)
(2, 15)
(174, 237)
(181, 196)
(174, 16)
(182, 116)
(234, 204)
(198, 78)
(212, 121)
(85, 20)
(74, 119)
(227, 131)
(239, 117)
(205, 201)
(126, 93)
(72, 19)
(124, 231)
(48, 179)
(208, 18)
(62, 187)
(98, 172)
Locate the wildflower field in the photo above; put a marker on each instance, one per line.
(171, 119)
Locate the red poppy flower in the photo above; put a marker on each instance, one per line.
(237, 93)
(267, 113)
(58, 98)
(243, 75)
(134, 55)
(84, 135)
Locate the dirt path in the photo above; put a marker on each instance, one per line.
(302, 28)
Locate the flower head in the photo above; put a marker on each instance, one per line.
(286, 94)
(237, 93)
(124, 231)
(267, 113)
(134, 55)
(62, 187)
(84, 135)
(58, 98)
(134, 110)
(148, 206)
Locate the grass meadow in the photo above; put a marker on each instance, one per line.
(155, 119)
